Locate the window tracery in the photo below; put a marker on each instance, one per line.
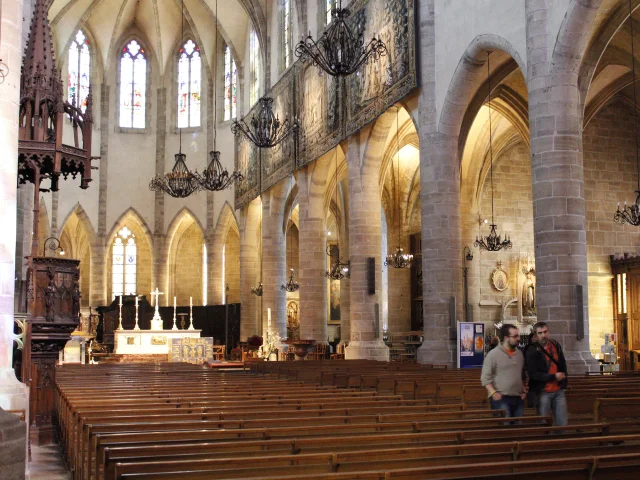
(189, 85)
(124, 263)
(133, 86)
(230, 84)
(79, 71)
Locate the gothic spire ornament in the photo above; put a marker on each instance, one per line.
(179, 182)
(631, 213)
(493, 242)
(340, 51)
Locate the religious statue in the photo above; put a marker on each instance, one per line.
(529, 292)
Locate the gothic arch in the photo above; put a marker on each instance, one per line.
(185, 244)
(227, 228)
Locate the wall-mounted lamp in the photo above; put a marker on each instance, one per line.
(53, 244)
(468, 255)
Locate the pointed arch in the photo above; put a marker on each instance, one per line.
(78, 239)
(224, 258)
(185, 258)
(133, 221)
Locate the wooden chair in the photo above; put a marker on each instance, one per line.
(319, 352)
(339, 355)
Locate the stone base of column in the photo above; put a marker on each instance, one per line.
(437, 353)
(13, 453)
(578, 363)
(367, 350)
(14, 395)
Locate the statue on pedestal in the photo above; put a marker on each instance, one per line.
(529, 292)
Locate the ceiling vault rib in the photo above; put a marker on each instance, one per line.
(116, 24)
(156, 18)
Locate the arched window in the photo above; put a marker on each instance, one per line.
(79, 70)
(189, 69)
(286, 31)
(329, 5)
(254, 66)
(133, 86)
(230, 84)
(124, 260)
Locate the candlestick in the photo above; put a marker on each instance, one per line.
(136, 327)
(175, 326)
(190, 318)
(120, 315)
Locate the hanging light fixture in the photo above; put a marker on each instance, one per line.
(492, 242)
(339, 269)
(216, 178)
(291, 285)
(340, 51)
(265, 130)
(631, 213)
(180, 182)
(398, 259)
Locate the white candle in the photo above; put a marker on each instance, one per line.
(120, 300)
(136, 302)
(268, 317)
(174, 303)
(191, 301)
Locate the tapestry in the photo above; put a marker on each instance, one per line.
(330, 109)
(191, 350)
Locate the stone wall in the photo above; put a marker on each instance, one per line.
(609, 177)
(232, 266)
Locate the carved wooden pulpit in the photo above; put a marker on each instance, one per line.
(53, 308)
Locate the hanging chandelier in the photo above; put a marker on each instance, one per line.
(493, 242)
(216, 178)
(340, 51)
(291, 285)
(339, 269)
(631, 213)
(398, 259)
(180, 182)
(257, 290)
(265, 130)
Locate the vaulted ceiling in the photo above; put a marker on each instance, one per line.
(157, 22)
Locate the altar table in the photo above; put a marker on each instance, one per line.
(148, 342)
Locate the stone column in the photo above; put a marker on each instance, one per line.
(365, 223)
(555, 121)
(161, 271)
(345, 283)
(440, 189)
(13, 394)
(312, 255)
(274, 261)
(250, 323)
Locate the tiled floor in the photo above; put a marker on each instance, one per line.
(46, 464)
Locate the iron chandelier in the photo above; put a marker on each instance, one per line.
(180, 182)
(398, 259)
(493, 242)
(257, 291)
(339, 269)
(265, 130)
(291, 285)
(631, 213)
(216, 178)
(340, 51)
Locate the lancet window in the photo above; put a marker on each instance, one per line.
(230, 84)
(133, 86)
(254, 64)
(79, 71)
(124, 263)
(189, 85)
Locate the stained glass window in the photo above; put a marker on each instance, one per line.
(189, 66)
(254, 63)
(286, 33)
(330, 4)
(230, 84)
(133, 86)
(79, 71)
(124, 261)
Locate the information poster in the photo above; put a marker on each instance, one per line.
(470, 344)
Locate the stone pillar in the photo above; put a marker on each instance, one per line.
(274, 261)
(555, 120)
(250, 323)
(13, 394)
(345, 283)
(160, 272)
(440, 189)
(399, 281)
(365, 224)
(312, 255)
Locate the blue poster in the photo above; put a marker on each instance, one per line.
(470, 344)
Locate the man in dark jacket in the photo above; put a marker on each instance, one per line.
(547, 370)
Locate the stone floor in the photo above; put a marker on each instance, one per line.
(46, 464)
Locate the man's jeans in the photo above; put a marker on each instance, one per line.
(555, 402)
(513, 405)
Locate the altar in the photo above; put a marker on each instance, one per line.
(148, 342)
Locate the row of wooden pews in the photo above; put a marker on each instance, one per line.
(328, 420)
